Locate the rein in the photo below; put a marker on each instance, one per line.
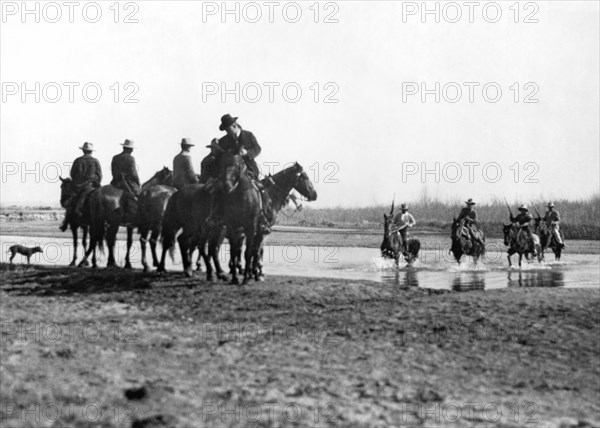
(283, 196)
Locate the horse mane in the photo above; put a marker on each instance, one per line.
(162, 176)
(283, 173)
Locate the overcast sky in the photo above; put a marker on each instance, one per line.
(373, 142)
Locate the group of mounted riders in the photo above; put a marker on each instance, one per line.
(86, 172)
(230, 165)
(522, 235)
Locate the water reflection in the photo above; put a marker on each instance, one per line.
(536, 278)
(468, 281)
(404, 278)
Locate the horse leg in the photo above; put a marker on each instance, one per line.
(153, 241)
(161, 264)
(143, 241)
(257, 253)
(233, 251)
(214, 245)
(249, 255)
(86, 254)
(94, 262)
(183, 240)
(199, 240)
(111, 237)
(84, 242)
(260, 276)
(74, 232)
(205, 254)
(199, 261)
(129, 243)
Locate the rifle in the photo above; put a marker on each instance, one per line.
(536, 211)
(508, 206)
(129, 189)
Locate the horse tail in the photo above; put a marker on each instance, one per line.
(97, 233)
(170, 225)
(97, 225)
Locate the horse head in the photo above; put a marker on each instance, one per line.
(66, 190)
(233, 169)
(506, 230)
(164, 176)
(390, 247)
(302, 183)
(294, 177)
(456, 229)
(387, 221)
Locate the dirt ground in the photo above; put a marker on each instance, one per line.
(112, 348)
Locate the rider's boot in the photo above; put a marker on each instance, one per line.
(130, 211)
(79, 207)
(65, 223)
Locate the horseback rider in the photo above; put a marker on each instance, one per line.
(183, 170)
(209, 167)
(523, 222)
(86, 175)
(552, 220)
(125, 177)
(403, 221)
(238, 140)
(469, 216)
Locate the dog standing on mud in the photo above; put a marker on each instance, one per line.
(26, 251)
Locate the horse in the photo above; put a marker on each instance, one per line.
(190, 207)
(463, 243)
(277, 195)
(152, 204)
(76, 222)
(517, 243)
(187, 209)
(391, 246)
(548, 239)
(107, 216)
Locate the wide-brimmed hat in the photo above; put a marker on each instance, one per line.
(226, 121)
(523, 207)
(214, 145)
(128, 144)
(87, 146)
(470, 201)
(186, 142)
(550, 205)
(403, 207)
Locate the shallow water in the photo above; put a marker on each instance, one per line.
(434, 269)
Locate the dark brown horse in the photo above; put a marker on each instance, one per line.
(189, 208)
(76, 221)
(276, 197)
(515, 240)
(152, 204)
(106, 217)
(391, 246)
(464, 244)
(548, 239)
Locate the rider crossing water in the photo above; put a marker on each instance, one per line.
(467, 238)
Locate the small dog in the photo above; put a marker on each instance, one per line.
(19, 249)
